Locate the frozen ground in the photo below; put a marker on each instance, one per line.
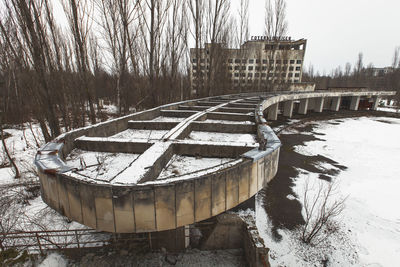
(369, 227)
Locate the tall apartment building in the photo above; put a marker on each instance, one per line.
(258, 63)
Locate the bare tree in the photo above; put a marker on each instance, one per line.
(196, 10)
(320, 205)
(275, 18)
(120, 31)
(78, 14)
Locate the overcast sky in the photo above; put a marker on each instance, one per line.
(338, 30)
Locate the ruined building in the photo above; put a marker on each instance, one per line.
(258, 63)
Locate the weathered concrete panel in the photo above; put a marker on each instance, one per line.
(254, 179)
(123, 210)
(184, 203)
(144, 210)
(88, 206)
(74, 200)
(53, 191)
(261, 174)
(203, 189)
(104, 208)
(62, 195)
(218, 197)
(44, 186)
(165, 207)
(244, 182)
(232, 187)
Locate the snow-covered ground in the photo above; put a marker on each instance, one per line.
(369, 226)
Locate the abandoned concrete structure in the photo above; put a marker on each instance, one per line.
(176, 164)
(256, 63)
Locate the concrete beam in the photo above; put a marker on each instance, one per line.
(273, 112)
(223, 127)
(355, 101)
(335, 105)
(178, 113)
(229, 116)
(152, 125)
(375, 103)
(319, 104)
(303, 106)
(288, 109)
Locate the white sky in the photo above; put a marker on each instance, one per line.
(338, 30)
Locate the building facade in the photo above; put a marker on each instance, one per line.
(258, 63)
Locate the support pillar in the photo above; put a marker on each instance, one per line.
(273, 112)
(375, 103)
(335, 105)
(355, 101)
(319, 104)
(303, 106)
(288, 109)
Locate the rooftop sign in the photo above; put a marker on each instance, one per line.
(270, 38)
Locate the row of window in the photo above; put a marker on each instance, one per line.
(250, 68)
(243, 82)
(257, 74)
(257, 61)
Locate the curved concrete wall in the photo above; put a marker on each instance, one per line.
(157, 206)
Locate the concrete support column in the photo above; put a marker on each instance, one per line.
(273, 112)
(336, 103)
(303, 106)
(355, 101)
(318, 104)
(376, 103)
(288, 109)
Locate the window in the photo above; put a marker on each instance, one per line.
(291, 68)
(194, 60)
(250, 67)
(263, 75)
(243, 67)
(265, 61)
(257, 61)
(296, 81)
(256, 74)
(230, 68)
(251, 61)
(270, 74)
(236, 81)
(285, 61)
(290, 74)
(271, 62)
(299, 61)
(242, 74)
(202, 60)
(264, 68)
(202, 67)
(236, 74)
(237, 67)
(249, 74)
(292, 61)
(194, 67)
(230, 60)
(297, 75)
(244, 61)
(257, 68)
(297, 68)
(283, 74)
(237, 61)
(278, 61)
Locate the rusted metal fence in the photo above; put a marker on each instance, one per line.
(38, 241)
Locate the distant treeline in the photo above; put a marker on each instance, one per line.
(359, 76)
